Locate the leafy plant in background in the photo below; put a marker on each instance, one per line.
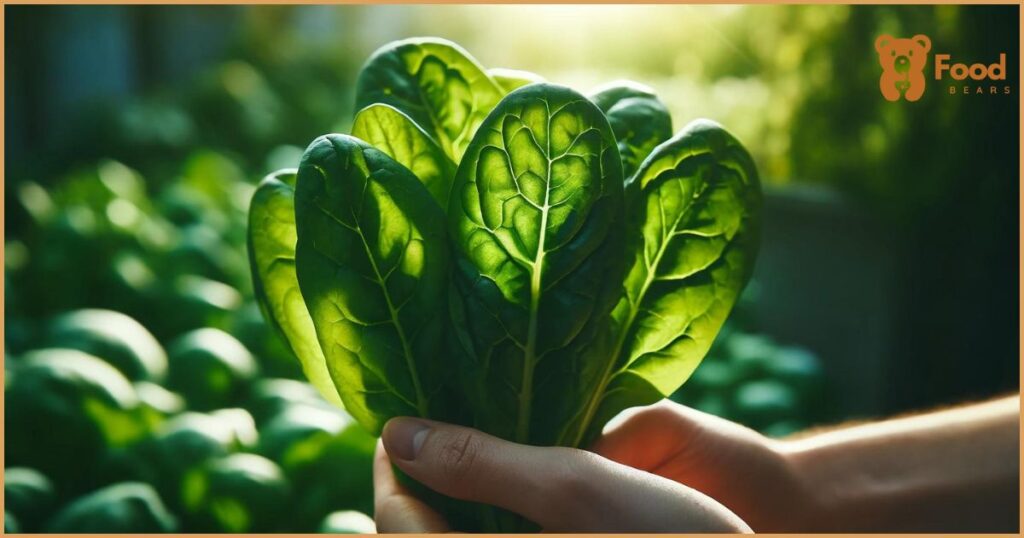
(127, 390)
(491, 249)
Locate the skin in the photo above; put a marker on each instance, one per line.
(672, 468)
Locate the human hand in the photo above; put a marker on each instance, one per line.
(560, 489)
(747, 472)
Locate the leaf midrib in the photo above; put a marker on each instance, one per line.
(530, 358)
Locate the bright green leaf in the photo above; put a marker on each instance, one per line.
(692, 241)
(537, 220)
(389, 130)
(372, 262)
(272, 259)
(436, 83)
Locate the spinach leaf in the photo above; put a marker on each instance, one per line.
(692, 240)
(389, 130)
(638, 118)
(272, 260)
(436, 83)
(537, 225)
(372, 262)
(511, 79)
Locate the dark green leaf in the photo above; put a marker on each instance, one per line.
(210, 368)
(238, 493)
(68, 407)
(692, 241)
(128, 507)
(272, 259)
(537, 220)
(436, 83)
(113, 337)
(638, 118)
(389, 130)
(372, 263)
(29, 494)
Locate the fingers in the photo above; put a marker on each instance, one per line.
(538, 483)
(561, 489)
(395, 508)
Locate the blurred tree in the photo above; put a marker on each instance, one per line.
(942, 172)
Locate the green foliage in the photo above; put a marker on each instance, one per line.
(11, 524)
(391, 131)
(67, 407)
(182, 443)
(372, 263)
(29, 495)
(272, 257)
(638, 118)
(436, 83)
(129, 507)
(693, 220)
(114, 337)
(538, 226)
(144, 212)
(239, 493)
(325, 455)
(210, 368)
(269, 397)
(158, 402)
(102, 246)
(536, 292)
(347, 522)
(169, 259)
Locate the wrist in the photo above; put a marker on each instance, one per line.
(809, 502)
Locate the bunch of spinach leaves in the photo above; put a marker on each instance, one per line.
(491, 249)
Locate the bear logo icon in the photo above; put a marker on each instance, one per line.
(903, 62)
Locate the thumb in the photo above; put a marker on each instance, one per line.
(470, 465)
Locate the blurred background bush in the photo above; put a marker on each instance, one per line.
(144, 392)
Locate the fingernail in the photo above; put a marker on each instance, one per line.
(404, 436)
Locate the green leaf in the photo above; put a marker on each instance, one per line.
(238, 493)
(372, 261)
(436, 83)
(692, 240)
(537, 220)
(512, 79)
(389, 130)
(113, 337)
(210, 368)
(638, 118)
(272, 260)
(127, 507)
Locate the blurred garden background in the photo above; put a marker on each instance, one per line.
(144, 392)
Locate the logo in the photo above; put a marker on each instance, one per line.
(903, 62)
